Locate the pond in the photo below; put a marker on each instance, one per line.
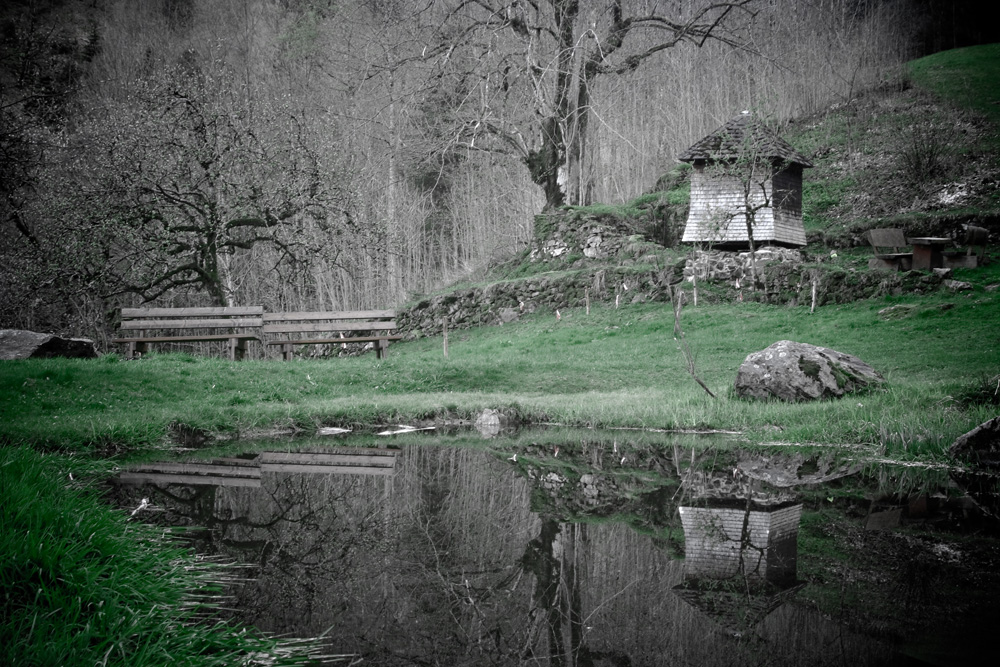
(590, 548)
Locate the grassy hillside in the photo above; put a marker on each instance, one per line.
(968, 77)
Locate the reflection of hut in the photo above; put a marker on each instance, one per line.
(720, 180)
(740, 560)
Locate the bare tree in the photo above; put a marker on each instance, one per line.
(196, 178)
(519, 74)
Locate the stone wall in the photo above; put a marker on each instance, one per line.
(568, 234)
(503, 302)
(781, 282)
(600, 257)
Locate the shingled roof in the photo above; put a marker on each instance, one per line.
(744, 130)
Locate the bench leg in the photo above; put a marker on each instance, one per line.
(137, 349)
(238, 348)
(381, 348)
(287, 351)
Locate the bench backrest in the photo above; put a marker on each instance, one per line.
(886, 238)
(344, 320)
(245, 317)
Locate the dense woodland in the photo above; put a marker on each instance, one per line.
(316, 154)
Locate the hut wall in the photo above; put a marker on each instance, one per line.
(787, 202)
(714, 540)
(716, 214)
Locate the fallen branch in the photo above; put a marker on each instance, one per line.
(678, 303)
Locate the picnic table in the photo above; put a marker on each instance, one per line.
(927, 252)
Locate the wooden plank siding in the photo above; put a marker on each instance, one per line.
(718, 197)
(718, 541)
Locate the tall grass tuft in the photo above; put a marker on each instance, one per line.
(83, 585)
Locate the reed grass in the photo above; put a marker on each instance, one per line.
(83, 585)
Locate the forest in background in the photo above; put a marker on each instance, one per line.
(314, 154)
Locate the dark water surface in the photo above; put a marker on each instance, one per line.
(596, 549)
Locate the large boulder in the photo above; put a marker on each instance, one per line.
(20, 344)
(801, 372)
(980, 447)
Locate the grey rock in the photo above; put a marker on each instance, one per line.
(957, 285)
(20, 344)
(896, 312)
(794, 372)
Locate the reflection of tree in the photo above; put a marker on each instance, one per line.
(557, 606)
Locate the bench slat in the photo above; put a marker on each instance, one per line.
(304, 327)
(333, 341)
(182, 339)
(331, 315)
(380, 459)
(243, 322)
(226, 311)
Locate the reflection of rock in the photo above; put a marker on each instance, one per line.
(787, 470)
(980, 448)
(798, 371)
(490, 422)
(19, 344)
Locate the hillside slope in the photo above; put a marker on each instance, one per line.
(915, 154)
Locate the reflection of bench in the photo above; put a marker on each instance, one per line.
(360, 461)
(359, 326)
(235, 325)
(882, 240)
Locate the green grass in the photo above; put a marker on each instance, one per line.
(969, 77)
(614, 367)
(82, 585)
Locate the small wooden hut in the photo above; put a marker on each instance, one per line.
(744, 163)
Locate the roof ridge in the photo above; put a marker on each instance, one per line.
(729, 141)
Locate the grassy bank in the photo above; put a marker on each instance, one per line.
(612, 367)
(82, 585)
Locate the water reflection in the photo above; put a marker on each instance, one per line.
(599, 552)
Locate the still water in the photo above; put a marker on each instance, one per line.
(593, 549)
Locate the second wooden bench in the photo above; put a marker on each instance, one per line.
(318, 328)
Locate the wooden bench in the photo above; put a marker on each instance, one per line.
(883, 239)
(975, 240)
(357, 326)
(236, 325)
